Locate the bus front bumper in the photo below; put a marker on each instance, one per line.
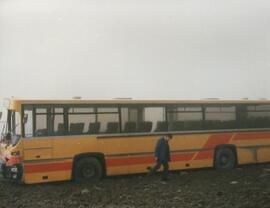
(12, 172)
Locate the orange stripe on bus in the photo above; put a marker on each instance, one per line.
(212, 142)
(38, 168)
(252, 136)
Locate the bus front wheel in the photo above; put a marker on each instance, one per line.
(225, 159)
(88, 168)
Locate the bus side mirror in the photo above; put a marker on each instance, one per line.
(25, 119)
(0, 115)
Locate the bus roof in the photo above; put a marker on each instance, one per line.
(15, 104)
(130, 101)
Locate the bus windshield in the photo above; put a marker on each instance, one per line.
(10, 127)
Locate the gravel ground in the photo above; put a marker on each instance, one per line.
(247, 186)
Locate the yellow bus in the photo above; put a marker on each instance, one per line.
(56, 140)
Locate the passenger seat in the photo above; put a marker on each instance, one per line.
(76, 128)
(112, 127)
(94, 128)
(130, 126)
(145, 126)
(161, 126)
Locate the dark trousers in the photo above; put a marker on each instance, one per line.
(165, 169)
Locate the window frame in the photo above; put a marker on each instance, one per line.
(241, 110)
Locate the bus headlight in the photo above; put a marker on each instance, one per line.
(14, 169)
(16, 153)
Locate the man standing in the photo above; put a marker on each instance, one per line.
(162, 156)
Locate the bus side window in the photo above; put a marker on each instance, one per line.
(258, 116)
(220, 117)
(108, 117)
(79, 119)
(129, 118)
(141, 119)
(153, 117)
(57, 122)
(182, 118)
(28, 126)
(41, 122)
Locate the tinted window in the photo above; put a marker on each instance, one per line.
(79, 119)
(41, 128)
(108, 118)
(57, 121)
(93, 120)
(220, 117)
(220, 113)
(130, 117)
(28, 126)
(153, 117)
(184, 118)
(257, 116)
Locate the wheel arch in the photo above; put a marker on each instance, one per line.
(99, 156)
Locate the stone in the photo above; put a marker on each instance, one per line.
(267, 170)
(85, 191)
(264, 175)
(183, 173)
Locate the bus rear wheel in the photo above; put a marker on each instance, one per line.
(88, 169)
(225, 159)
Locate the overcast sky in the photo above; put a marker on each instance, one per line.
(144, 49)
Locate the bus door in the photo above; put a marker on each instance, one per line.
(37, 145)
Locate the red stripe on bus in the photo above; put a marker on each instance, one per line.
(212, 142)
(38, 168)
(141, 160)
(182, 157)
(252, 136)
(208, 154)
(122, 161)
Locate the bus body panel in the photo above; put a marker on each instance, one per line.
(51, 158)
(37, 149)
(252, 147)
(127, 155)
(43, 177)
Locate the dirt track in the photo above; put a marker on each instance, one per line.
(243, 187)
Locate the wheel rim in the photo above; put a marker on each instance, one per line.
(224, 159)
(88, 171)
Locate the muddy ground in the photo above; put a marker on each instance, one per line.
(247, 186)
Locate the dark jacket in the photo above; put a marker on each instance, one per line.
(162, 151)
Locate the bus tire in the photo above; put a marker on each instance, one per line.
(225, 158)
(88, 169)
